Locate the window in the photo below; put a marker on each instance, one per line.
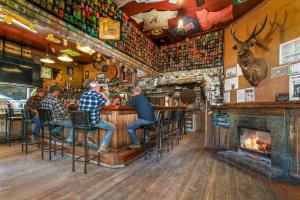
(16, 95)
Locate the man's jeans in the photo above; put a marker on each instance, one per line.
(135, 125)
(110, 129)
(65, 123)
(37, 128)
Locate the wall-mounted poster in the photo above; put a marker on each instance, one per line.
(231, 84)
(109, 29)
(249, 94)
(46, 72)
(231, 72)
(294, 87)
(240, 96)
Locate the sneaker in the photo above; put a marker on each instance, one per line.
(103, 150)
(91, 138)
(33, 139)
(57, 135)
(92, 145)
(134, 146)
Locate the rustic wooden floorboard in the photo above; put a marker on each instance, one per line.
(188, 172)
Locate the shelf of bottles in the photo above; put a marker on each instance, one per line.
(204, 51)
(86, 14)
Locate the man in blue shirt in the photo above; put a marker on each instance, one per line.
(145, 115)
(91, 101)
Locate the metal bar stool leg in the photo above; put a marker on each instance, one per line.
(62, 143)
(99, 144)
(85, 151)
(25, 135)
(50, 143)
(9, 132)
(42, 142)
(73, 151)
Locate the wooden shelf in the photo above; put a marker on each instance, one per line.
(258, 105)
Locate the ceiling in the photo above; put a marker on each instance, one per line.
(38, 41)
(158, 19)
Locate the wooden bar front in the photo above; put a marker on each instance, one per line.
(120, 116)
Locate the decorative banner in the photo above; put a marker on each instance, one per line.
(155, 19)
(208, 19)
(237, 2)
(109, 29)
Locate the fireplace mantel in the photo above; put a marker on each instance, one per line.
(258, 108)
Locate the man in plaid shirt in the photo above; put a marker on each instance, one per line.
(33, 104)
(91, 101)
(58, 110)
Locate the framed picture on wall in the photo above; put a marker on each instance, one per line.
(86, 74)
(100, 77)
(70, 71)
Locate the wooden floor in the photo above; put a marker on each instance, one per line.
(187, 172)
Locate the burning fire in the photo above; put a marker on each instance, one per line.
(251, 143)
(254, 143)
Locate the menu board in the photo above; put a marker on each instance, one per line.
(203, 51)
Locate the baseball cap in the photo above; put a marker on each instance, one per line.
(54, 88)
(137, 89)
(94, 84)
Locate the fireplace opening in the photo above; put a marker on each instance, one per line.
(255, 143)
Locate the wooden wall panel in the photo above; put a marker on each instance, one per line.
(76, 79)
(267, 89)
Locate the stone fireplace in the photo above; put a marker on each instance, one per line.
(258, 143)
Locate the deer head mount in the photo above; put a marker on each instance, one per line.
(254, 69)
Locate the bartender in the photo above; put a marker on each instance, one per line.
(116, 100)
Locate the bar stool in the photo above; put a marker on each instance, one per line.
(81, 120)
(168, 125)
(158, 128)
(45, 118)
(10, 118)
(26, 121)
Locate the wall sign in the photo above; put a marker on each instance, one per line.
(109, 29)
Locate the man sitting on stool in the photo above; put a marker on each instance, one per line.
(91, 101)
(33, 104)
(58, 110)
(145, 115)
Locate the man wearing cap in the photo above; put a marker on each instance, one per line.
(91, 100)
(58, 110)
(33, 104)
(145, 113)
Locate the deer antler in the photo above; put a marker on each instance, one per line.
(234, 36)
(254, 32)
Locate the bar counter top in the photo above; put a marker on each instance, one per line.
(128, 108)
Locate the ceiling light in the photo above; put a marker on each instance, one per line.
(86, 49)
(65, 58)
(30, 27)
(47, 60)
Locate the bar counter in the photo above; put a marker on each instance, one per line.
(121, 116)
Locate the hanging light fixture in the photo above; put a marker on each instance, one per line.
(86, 49)
(65, 58)
(47, 59)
